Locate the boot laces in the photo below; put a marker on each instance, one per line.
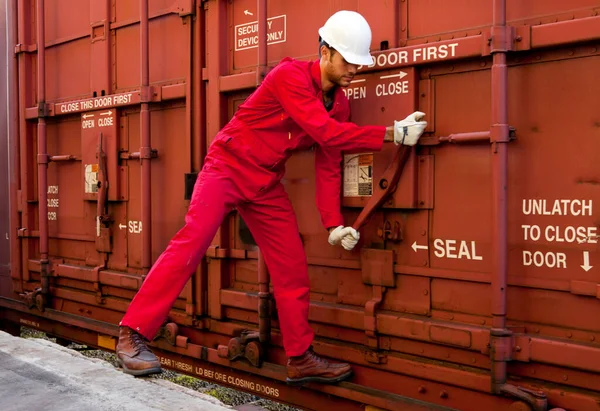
(317, 358)
(138, 342)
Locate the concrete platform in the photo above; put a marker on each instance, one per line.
(37, 374)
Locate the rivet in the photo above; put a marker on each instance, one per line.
(569, 334)
(422, 389)
(443, 394)
(382, 109)
(423, 232)
(571, 52)
(538, 57)
(533, 371)
(482, 322)
(482, 64)
(425, 292)
(452, 317)
(473, 360)
(565, 378)
(518, 349)
(424, 263)
(592, 338)
(448, 355)
(422, 351)
(537, 330)
(423, 95)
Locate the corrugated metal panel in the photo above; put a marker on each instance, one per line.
(478, 239)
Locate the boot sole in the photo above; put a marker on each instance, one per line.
(323, 380)
(139, 373)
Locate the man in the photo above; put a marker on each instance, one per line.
(298, 105)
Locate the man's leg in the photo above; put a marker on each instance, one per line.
(272, 222)
(213, 197)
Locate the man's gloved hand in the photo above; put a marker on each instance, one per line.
(409, 130)
(346, 236)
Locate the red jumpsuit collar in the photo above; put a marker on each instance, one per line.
(315, 71)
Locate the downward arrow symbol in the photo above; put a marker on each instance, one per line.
(586, 261)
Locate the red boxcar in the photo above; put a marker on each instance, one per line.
(476, 283)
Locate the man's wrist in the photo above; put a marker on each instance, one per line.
(389, 134)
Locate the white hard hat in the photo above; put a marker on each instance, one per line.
(349, 33)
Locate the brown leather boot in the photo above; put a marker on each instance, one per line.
(310, 367)
(134, 356)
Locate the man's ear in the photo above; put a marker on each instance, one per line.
(325, 51)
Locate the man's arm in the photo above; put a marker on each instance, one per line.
(292, 90)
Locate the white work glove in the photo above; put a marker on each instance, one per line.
(409, 130)
(346, 236)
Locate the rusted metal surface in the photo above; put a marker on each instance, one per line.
(474, 284)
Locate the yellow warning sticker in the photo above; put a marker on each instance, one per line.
(107, 342)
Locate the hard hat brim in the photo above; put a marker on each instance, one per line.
(360, 60)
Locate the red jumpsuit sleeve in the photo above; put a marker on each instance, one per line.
(292, 88)
(328, 181)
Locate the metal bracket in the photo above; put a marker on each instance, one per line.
(501, 345)
(217, 252)
(22, 48)
(536, 399)
(376, 357)
(378, 267)
(391, 232)
(43, 110)
(370, 320)
(185, 7)
(501, 39)
(97, 286)
(247, 346)
(168, 332)
(34, 298)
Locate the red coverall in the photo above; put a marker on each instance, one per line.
(242, 170)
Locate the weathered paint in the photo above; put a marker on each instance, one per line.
(482, 232)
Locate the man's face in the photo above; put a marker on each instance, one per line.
(338, 70)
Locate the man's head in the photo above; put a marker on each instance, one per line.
(334, 67)
(344, 45)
